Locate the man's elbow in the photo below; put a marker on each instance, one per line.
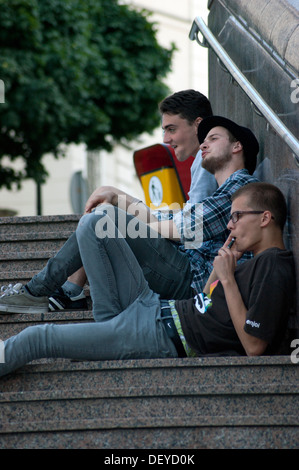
(256, 347)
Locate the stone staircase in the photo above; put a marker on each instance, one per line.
(211, 403)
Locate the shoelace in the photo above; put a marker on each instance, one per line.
(10, 289)
(5, 288)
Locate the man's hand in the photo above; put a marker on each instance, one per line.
(226, 261)
(104, 194)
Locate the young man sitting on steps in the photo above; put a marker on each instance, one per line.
(245, 313)
(173, 264)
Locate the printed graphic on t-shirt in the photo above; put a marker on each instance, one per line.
(212, 286)
(203, 301)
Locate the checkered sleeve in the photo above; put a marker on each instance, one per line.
(216, 209)
(202, 221)
(189, 223)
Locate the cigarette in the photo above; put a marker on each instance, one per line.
(231, 242)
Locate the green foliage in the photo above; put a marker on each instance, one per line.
(75, 71)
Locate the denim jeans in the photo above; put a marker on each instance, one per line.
(166, 269)
(127, 312)
(135, 333)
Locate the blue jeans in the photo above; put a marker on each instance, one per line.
(166, 269)
(127, 312)
(135, 333)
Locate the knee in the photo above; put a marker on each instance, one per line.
(84, 224)
(36, 333)
(31, 338)
(88, 221)
(105, 210)
(101, 222)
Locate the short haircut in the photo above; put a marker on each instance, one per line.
(265, 196)
(189, 104)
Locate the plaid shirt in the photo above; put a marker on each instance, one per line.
(212, 220)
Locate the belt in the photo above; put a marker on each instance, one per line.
(170, 328)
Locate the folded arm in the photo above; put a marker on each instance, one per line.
(132, 205)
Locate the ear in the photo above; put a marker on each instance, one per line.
(237, 147)
(197, 121)
(266, 218)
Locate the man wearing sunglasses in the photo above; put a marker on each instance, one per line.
(176, 255)
(244, 309)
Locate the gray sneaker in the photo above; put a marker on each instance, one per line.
(17, 299)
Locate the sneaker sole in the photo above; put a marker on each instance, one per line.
(11, 309)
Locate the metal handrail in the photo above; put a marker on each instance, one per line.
(210, 40)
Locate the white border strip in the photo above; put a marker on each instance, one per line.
(2, 357)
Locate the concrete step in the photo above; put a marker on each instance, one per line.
(12, 323)
(213, 403)
(25, 262)
(26, 243)
(22, 226)
(182, 403)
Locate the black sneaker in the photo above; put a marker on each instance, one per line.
(60, 301)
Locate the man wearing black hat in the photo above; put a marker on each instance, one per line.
(236, 133)
(176, 255)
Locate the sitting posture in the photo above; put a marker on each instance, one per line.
(176, 255)
(244, 309)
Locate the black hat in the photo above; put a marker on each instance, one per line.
(242, 134)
